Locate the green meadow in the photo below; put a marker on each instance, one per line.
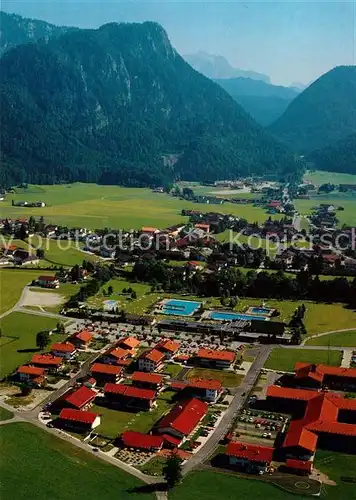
(341, 339)
(42, 466)
(322, 177)
(93, 206)
(12, 282)
(285, 359)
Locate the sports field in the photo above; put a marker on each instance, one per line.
(18, 341)
(93, 206)
(40, 466)
(341, 339)
(285, 359)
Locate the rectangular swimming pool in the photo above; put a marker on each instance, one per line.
(175, 307)
(227, 316)
(265, 311)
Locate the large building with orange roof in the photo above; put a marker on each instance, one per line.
(214, 358)
(317, 376)
(327, 421)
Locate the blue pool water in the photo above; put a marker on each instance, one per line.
(176, 307)
(260, 310)
(226, 316)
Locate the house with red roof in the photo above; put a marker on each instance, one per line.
(317, 376)
(81, 339)
(47, 361)
(131, 344)
(80, 399)
(181, 421)
(168, 347)
(128, 396)
(327, 421)
(78, 421)
(212, 358)
(48, 281)
(140, 441)
(151, 361)
(300, 467)
(31, 374)
(65, 350)
(113, 356)
(206, 389)
(146, 380)
(103, 373)
(251, 458)
(204, 227)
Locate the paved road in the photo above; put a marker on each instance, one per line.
(239, 399)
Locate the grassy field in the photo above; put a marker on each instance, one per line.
(285, 359)
(321, 177)
(336, 465)
(12, 283)
(93, 206)
(346, 200)
(5, 414)
(228, 379)
(208, 485)
(342, 339)
(114, 422)
(19, 339)
(41, 466)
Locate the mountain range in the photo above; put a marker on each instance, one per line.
(265, 102)
(216, 66)
(105, 105)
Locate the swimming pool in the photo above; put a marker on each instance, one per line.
(266, 311)
(110, 305)
(226, 316)
(175, 307)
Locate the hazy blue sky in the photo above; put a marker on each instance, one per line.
(288, 40)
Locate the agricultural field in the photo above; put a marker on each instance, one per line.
(322, 177)
(18, 340)
(228, 379)
(284, 359)
(13, 282)
(40, 465)
(345, 200)
(341, 339)
(93, 206)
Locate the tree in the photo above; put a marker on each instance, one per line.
(60, 328)
(40, 253)
(25, 390)
(133, 294)
(110, 290)
(172, 470)
(42, 340)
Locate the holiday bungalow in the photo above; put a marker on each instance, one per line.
(251, 458)
(128, 396)
(113, 356)
(140, 441)
(81, 339)
(181, 421)
(47, 361)
(103, 373)
(65, 350)
(151, 361)
(215, 359)
(146, 380)
(78, 421)
(48, 281)
(206, 389)
(31, 374)
(130, 344)
(168, 347)
(80, 399)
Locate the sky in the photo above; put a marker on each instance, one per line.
(291, 41)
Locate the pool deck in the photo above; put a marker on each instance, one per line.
(160, 308)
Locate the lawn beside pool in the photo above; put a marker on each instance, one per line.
(342, 339)
(228, 379)
(41, 466)
(18, 343)
(337, 465)
(284, 359)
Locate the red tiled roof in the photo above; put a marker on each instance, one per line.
(177, 386)
(129, 391)
(252, 452)
(182, 357)
(63, 347)
(307, 369)
(153, 355)
(138, 440)
(283, 392)
(84, 417)
(105, 368)
(129, 343)
(31, 370)
(171, 439)
(151, 378)
(168, 345)
(216, 355)
(148, 229)
(202, 226)
(299, 464)
(124, 362)
(47, 278)
(84, 336)
(80, 397)
(118, 353)
(333, 428)
(200, 383)
(184, 417)
(46, 359)
(299, 436)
